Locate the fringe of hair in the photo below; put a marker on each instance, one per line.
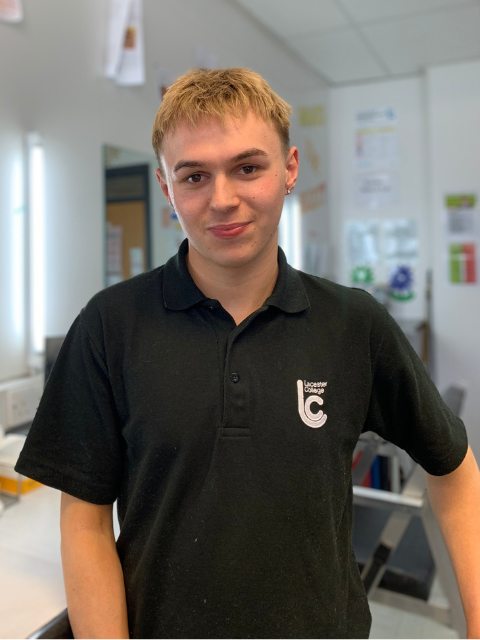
(202, 93)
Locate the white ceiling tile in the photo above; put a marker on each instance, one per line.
(367, 10)
(340, 56)
(412, 44)
(289, 19)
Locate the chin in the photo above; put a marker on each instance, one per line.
(233, 256)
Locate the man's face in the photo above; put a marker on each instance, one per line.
(227, 183)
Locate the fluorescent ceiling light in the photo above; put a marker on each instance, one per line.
(18, 250)
(37, 241)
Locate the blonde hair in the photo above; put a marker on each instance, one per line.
(204, 93)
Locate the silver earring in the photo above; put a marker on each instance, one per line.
(289, 191)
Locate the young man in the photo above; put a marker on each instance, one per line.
(219, 399)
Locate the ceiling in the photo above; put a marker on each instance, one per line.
(349, 41)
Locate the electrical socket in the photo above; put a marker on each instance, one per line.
(22, 402)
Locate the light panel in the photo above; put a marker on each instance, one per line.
(18, 250)
(37, 242)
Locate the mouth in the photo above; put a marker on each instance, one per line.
(228, 230)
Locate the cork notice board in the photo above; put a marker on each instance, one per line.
(127, 222)
(130, 216)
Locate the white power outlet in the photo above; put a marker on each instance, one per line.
(22, 403)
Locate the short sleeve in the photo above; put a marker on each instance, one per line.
(75, 441)
(407, 410)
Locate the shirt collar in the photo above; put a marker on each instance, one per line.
(180, 291)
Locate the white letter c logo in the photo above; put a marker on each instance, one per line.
(311, 419)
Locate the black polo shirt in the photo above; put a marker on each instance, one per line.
(229, 448)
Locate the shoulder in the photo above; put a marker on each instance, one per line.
(121, 304)
(345, 304)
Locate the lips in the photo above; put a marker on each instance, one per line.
(228, 230)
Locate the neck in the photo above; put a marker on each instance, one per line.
(240, 290)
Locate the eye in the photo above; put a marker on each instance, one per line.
(248, 169)
(195, 178)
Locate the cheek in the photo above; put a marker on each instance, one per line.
(188, 205)
(268, 199)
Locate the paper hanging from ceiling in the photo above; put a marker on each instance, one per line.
(11, 10)
(125, 59)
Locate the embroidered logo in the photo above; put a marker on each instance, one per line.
(315, 389)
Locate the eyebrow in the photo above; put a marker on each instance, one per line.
(238, 158)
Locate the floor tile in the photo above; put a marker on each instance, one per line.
(32, 593)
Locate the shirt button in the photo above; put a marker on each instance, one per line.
(234, 377)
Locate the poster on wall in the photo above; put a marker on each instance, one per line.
(306, 214)
(463, 263)
(11, 10)
(402, 282)
(137, 263)
(401, 240)
(382, 258)
(375, 189)
(363, 251)
(363, 242)
(462, 232)
(313, 198)
(376, 140)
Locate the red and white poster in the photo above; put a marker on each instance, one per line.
(462, 225)
(11, 10)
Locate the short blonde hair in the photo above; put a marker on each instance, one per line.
(204, 93)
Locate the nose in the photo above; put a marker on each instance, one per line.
(224, 196)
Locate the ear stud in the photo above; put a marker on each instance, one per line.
(289, 191)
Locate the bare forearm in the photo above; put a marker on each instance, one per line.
(455, 500)
(94, 585)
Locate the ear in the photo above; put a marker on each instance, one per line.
(291, 167)
(163, 185)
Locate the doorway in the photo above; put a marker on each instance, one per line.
(128, 251)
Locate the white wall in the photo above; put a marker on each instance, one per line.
(51, 81)
(407, 97)
(454, 132)
(12, 217)
(439, 138)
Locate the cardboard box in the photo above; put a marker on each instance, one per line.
(9, 481)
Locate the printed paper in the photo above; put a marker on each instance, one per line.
(131, 71)
(462, 238)
(376, 141)
(375, 189)
(11, 10)
(125, 59)
(401, 240)
(363, 245)
(136, 261)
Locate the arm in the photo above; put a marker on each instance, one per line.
(455, 500)
(92, 572)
